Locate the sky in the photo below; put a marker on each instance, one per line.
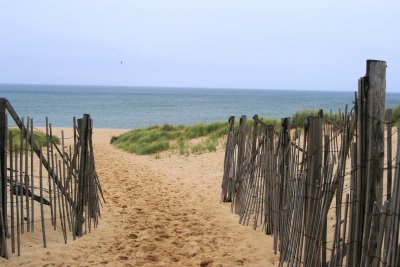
(316, 45)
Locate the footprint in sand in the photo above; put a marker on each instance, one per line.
(165, 236)
(149, 247)
(174, 259)
(122, 258)
(151, 258)
(132, 236)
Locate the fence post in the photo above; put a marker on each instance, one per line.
(376, 73)
(254, 141)
(227, 180)
(269, 181)
(374, 108)
(3, 177)
(388, 118)
(283, 182)
(312, 184)
(83, 134)
(240, 159)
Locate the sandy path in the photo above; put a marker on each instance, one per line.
(159, 212)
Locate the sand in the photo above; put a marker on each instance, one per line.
(159, 212)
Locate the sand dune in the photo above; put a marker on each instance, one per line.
(159, 212)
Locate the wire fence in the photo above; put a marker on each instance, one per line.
(328, 194)
(45, 186)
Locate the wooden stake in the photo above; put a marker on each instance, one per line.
(26, 177)
(48, 171)
(32, 183)
(21, 177)
(55, 190)
(3, 178)
(17, 191)
(388, 118)
(41, 200)
(10, 145)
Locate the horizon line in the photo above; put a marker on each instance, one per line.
(183, 87)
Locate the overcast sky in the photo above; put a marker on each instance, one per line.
(319, 45)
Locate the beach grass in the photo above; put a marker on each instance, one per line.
(38, 137)
(185, 139)
(299, 116)
(155, 139)
(203, 137)
(396, 115)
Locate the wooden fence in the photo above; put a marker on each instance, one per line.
(44, 186)
(329, 194)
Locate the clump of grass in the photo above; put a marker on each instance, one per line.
(155, 139)
(183, 146)
(208, 145)
(203, 129)
(143, 141)
(299, 116)
(396, 115)
(38, 137)
(271, 121)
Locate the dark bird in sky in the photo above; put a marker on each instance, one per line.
(121, 62)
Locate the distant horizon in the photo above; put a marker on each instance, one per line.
(180, 87)
(112, 107)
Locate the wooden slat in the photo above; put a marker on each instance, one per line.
(3, 178)
(41, 200)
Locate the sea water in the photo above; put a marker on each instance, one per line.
(133, 107)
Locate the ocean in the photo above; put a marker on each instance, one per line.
(134, 107)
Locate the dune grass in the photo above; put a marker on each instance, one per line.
(203, 137)
(299, 116)
(38, 137)
(186, 139)
(155, 139)
(396, 115)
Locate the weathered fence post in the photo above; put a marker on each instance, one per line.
(240, 157)
(269, 180)
(374, 107)
(253, 145)
(283, 182)
(83, 134)
(388, 118)
(254, 141)
(312, 184)
(376, 73)
(229, 163)
(3, 178)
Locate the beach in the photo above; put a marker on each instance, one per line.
(206, 133)
(159, 212)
